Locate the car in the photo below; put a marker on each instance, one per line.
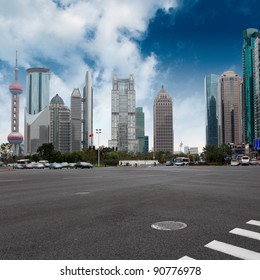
(38, 165)
(65, 165)
(254, 162)
(235, 162)
(245, 160)
(83, 164)
(18, 166)
(55, 165)
(28, 166)
(169, 163)
(179, 163)
(71, 165)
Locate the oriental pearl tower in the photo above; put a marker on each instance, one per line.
(15, 138)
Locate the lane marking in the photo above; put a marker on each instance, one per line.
(232, 250)
(186, 258)
(254, 222)
(17, 180)
(246, 233)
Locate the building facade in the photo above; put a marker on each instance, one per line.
(211, 97)
(87, 112)
(139, 128)
(60, 125)
(248, 91)
(163, 122)
(76, 120)
(36, 125)
(257, 88)
(229, 109)
(123, 119)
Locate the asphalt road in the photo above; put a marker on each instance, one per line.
(107, 213)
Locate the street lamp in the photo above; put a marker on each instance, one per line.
(98, 131)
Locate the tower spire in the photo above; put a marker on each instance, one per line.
(16, 68)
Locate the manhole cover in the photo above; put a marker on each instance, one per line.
(82, 193)
(169, 225)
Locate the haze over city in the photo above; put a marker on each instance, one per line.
(165, 42)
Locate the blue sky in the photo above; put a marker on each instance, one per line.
(162, 42)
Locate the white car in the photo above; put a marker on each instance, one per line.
(254, 162)
(235, 162)
(245, 160)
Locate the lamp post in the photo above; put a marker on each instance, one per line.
(98, 131)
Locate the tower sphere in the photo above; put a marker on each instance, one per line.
(16, 88)
(15, 138)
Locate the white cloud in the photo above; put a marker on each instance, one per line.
(71, 36)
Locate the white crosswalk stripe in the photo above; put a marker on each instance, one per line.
(186, 258)
(254, 222)
(246, 233)
(232, 250)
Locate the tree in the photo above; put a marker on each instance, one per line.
(46, 151)
(4, 150)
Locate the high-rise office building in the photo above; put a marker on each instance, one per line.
(60, 125)
(211, 96)
(123, 121)
(163, 122)
(36, 127)
(229, 109)
(87, 112)
(15, 138)
(76, 120)
(257, 88)
(140, 130)
(248, 92)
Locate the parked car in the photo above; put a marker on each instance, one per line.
(235, 162)
(65, 165)
(71, 165)
(18, 166)
(55, 165)
(245, 160)
(83, 164)
(254, 162)
(38, 165)
(28, 166)
(169, 163)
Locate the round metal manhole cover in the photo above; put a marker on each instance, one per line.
(169, 225)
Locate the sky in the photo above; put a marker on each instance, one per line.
(174, 43)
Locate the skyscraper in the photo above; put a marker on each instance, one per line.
(229, 109)
(139, 128)
(76, 120)
(248, 93)
(15, 137)
(123, 123)
(60, 125)
(211, 96)
(257, 88)
(163, 122)
(87, 112)
(36, 127)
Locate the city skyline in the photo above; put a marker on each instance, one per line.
(175, 43)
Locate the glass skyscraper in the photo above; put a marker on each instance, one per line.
(87, 112)
(248, 92)
(36, 127)
(76, 120)
(163, 122)
(211, 96)
(229, 109)
(60, 125)
(123, 122)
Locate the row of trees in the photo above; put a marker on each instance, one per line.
(109, 157)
